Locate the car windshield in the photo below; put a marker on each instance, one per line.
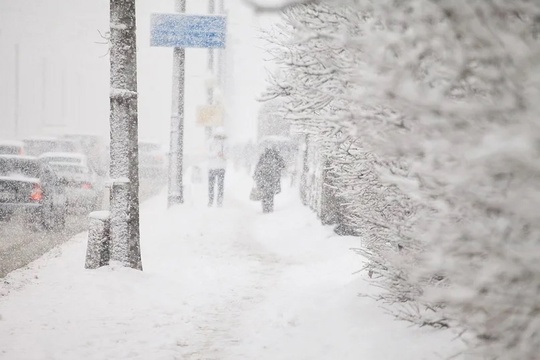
(69, 169)
(66, 159)
(38, 147)
(10, 150)
(148, 147)
(24, 167)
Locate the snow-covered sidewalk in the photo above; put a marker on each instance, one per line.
(218, 283)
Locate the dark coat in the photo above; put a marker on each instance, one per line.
(268, 172)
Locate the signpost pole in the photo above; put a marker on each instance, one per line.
(210, 90)
(176, 160)
(17, 88)
(181, 31)
(221, 55)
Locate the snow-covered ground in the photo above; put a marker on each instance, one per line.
(218, 283)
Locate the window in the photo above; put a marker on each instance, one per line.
(13, 167)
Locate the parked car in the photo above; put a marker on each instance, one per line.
(95, 149)
(152, 162)
(32, 189)
(39, 145)
(11, 147)
(84, 189)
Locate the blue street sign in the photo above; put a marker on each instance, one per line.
(188, 31)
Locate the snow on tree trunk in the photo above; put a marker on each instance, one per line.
(124, 208)
(98, 248)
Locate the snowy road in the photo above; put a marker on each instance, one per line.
(19, 245)
(218, 284)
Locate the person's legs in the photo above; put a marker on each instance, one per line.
(271, 203)
(268, 203)
(220, 184)
(211, 180)
(264, 202)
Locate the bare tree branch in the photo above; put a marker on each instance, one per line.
(262, 6)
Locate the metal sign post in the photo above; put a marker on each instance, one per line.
(182, 31)
(210, 87)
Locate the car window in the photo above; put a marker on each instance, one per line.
(66, 146)
(23, 167)
(38, 147)
(143, 147)
(48, 173)
(9, 150)
(63, 159)
(68, 169)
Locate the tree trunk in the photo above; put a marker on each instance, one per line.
(305, 170)
(125, 247)
(329, 202)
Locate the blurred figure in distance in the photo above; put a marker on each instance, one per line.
(267, 177)
(217, 162)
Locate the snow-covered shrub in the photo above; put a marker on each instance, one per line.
(426, 111)
(342, 180)
(464, 75)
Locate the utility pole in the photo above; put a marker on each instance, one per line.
(211, 10)
(220, 68)
(79, 101)
(222, 6)
(176, 163)
(17, 89)
(43, 91)
(63, 97)
(124, 168)
(210, 84)
(221, 55)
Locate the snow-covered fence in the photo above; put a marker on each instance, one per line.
(98, 247)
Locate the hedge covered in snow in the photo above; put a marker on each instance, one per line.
(422, 115)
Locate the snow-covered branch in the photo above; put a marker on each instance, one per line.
(272, 6)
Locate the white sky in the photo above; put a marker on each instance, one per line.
(64, 72)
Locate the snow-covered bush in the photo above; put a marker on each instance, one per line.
(426, 112)
(320, 105)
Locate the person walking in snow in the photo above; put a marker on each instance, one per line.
(217, 163)
(267, 177)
